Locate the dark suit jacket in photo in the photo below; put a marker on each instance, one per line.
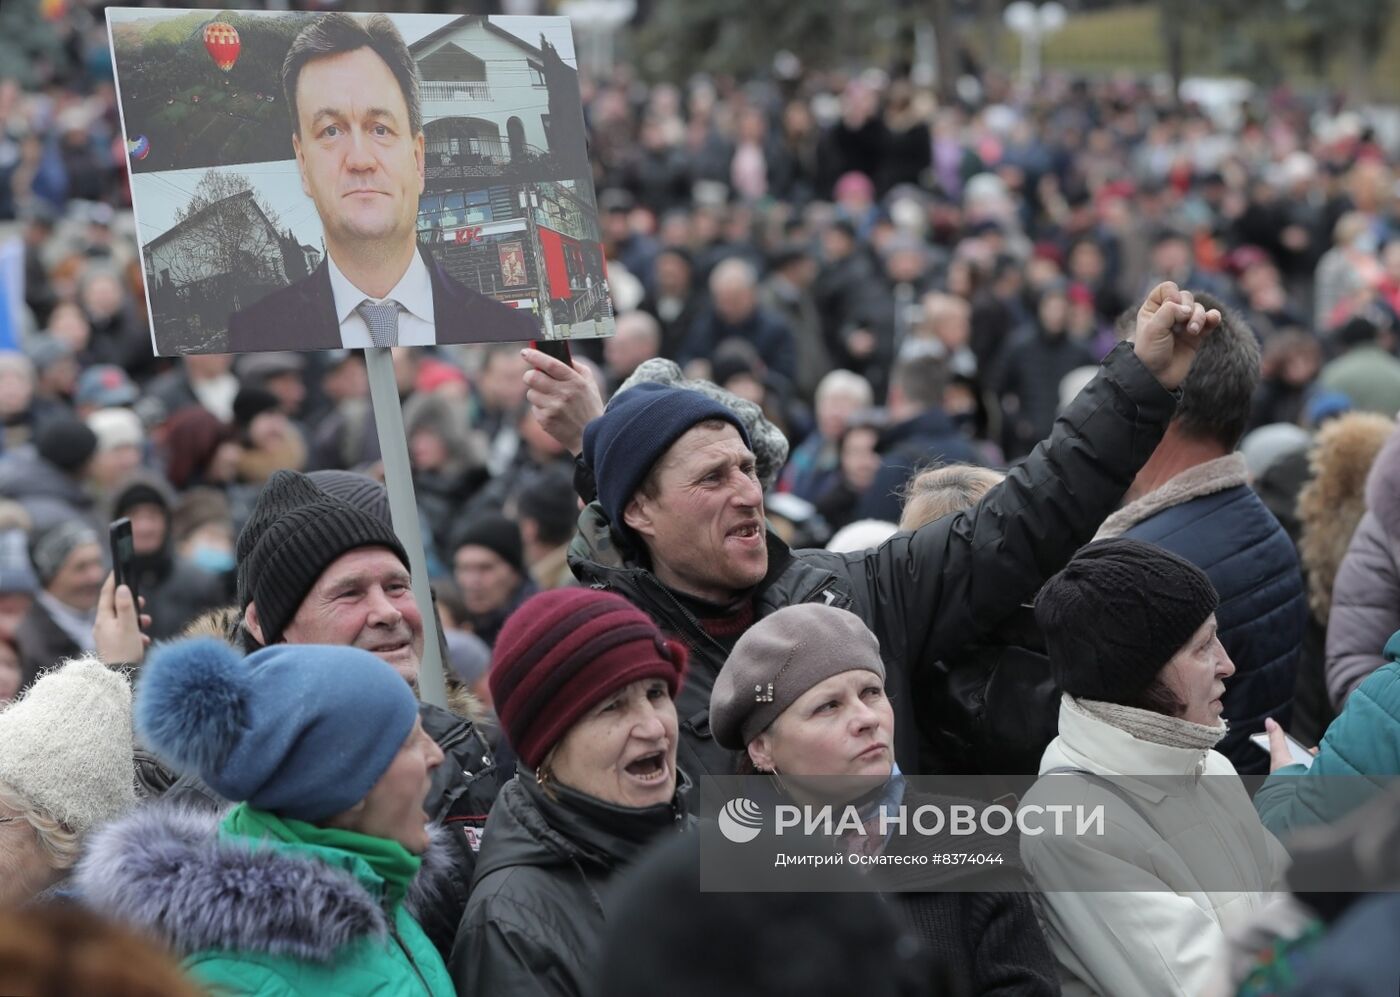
(302, 316)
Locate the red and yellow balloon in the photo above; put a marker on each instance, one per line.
(221, 42)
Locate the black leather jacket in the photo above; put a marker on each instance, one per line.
(535, 921)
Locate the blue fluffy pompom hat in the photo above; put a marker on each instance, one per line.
(299, 730)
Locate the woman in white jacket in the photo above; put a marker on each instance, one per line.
(1143, 907)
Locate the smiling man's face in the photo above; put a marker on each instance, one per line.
(358, 160)
(364, 599)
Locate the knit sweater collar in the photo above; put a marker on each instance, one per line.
(725, 623)
(1158, 728)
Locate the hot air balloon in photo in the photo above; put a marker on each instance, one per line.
(221, 41)
(139, 149)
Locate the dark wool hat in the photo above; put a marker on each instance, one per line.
(852, 942)
(67, 444)
(302, 731)
(563, 652)
(497, 534)
(360, 490)
(1118, 612)
(251, 403)
(142, 489)
(639, 425)
(295, 532)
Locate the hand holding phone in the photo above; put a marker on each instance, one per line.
(123, 556)
(1299, 754)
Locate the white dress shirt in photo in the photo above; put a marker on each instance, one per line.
(413, 293)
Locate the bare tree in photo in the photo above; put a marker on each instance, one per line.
(234, 232)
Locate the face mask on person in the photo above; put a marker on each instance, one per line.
(215, 560)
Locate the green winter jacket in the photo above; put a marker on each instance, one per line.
(270, 914)
(1358, 758)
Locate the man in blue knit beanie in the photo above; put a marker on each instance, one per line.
(678, 525)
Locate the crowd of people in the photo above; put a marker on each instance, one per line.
(1040, 433)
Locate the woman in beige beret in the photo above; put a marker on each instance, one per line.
(803, 696)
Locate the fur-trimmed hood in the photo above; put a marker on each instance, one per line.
(167, 871)
(1355, 463)
(1204, 479)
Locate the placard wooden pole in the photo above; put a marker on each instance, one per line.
(398, 478)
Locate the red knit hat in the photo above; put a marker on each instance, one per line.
(563, 652)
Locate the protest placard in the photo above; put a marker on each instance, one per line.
(286, 166)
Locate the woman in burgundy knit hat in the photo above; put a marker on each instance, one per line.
(583, 683)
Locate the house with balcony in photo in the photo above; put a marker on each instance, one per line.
(496, 105)
(511, 241)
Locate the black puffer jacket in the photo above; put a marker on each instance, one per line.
(930, 593)
(535, 921)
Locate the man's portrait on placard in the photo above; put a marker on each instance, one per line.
(431, 184)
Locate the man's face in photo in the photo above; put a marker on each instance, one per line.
(358, 161)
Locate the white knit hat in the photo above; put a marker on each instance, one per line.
(66, 745)
(116, 427)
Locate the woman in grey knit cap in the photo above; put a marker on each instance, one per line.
(803, 694)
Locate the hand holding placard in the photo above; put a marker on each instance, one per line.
(563, 397)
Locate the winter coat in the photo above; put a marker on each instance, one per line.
(535, 921)
(264, 918)
(1365, 607)
(1032, 367)
(926, 594)
(1210, 516)
(1358, 956)
(849, 293)
(1163, 937)
(41, 644)
(926, 439)
(1331, 505)
(1364, 741)
(48, 494)
(993, 708)
(978, 922)
(766, 331)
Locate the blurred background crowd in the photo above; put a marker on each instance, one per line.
(893, 270)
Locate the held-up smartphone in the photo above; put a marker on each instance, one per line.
(123, 553)
(556, 348)
(1301, 755)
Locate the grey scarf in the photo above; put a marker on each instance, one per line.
(1154, 727)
